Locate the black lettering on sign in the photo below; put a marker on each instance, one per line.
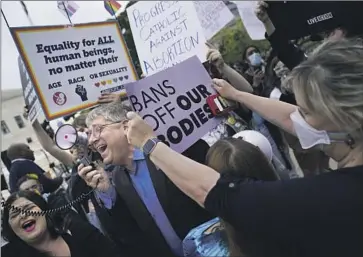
(196, 95)
(154, 94)
(54, 85)
(76, 80)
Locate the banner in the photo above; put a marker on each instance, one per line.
(71, 66)
(213, 16)
(173, 102)
(165, 33)
(30, 97)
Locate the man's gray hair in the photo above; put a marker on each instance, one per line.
(112, 112)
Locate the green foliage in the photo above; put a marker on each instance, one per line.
(232, 41)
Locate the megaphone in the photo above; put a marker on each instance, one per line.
(67, 137)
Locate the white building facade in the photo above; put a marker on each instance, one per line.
(15, 129)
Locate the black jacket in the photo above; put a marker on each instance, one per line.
(138, 227)
(76, 187)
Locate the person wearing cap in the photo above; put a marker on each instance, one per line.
(247, 155)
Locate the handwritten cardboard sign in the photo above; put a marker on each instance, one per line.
(213, 16)
(165, 33)
(173, 102)
(71, 66)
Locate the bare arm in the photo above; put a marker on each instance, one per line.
(236, 79)
(272, 110)
(269, 26)
(48, 144)
(194, 179)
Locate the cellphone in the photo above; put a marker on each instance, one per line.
(220, 106)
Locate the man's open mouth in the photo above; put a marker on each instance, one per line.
(101, 148)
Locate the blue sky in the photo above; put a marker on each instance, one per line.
(41, 13)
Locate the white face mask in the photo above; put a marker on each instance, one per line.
(255, 59)
(309, 136)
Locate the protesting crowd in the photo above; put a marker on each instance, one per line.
(261, 183)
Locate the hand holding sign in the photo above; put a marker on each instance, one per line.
(109, 98)
(225, 89)
(138, 131)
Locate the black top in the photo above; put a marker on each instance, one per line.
(315, 216)
(84, 240)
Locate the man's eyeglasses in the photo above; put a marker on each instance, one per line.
(97, 130)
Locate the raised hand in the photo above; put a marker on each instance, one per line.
(138, 131)
(109, 98)
(225, 89)
(261, 11)
(215, 58)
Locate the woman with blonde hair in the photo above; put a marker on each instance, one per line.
(315, 216)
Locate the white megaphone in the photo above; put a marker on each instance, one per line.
(67, 137)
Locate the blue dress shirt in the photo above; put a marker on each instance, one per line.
(144, 187)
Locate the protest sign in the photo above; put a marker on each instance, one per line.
(165, 33)
(71, 66)
(30, 97)
(213, 16)
(253, 26)
(173, 102)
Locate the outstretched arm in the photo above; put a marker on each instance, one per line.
(49, 145)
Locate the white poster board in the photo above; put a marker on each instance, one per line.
(71, 66)
(165, 33)
(175, 105)
(213, 16)
(254, 26)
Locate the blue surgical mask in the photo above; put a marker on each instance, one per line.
(255, 59)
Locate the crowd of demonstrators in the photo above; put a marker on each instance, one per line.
(313, 216)
(235, 192)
